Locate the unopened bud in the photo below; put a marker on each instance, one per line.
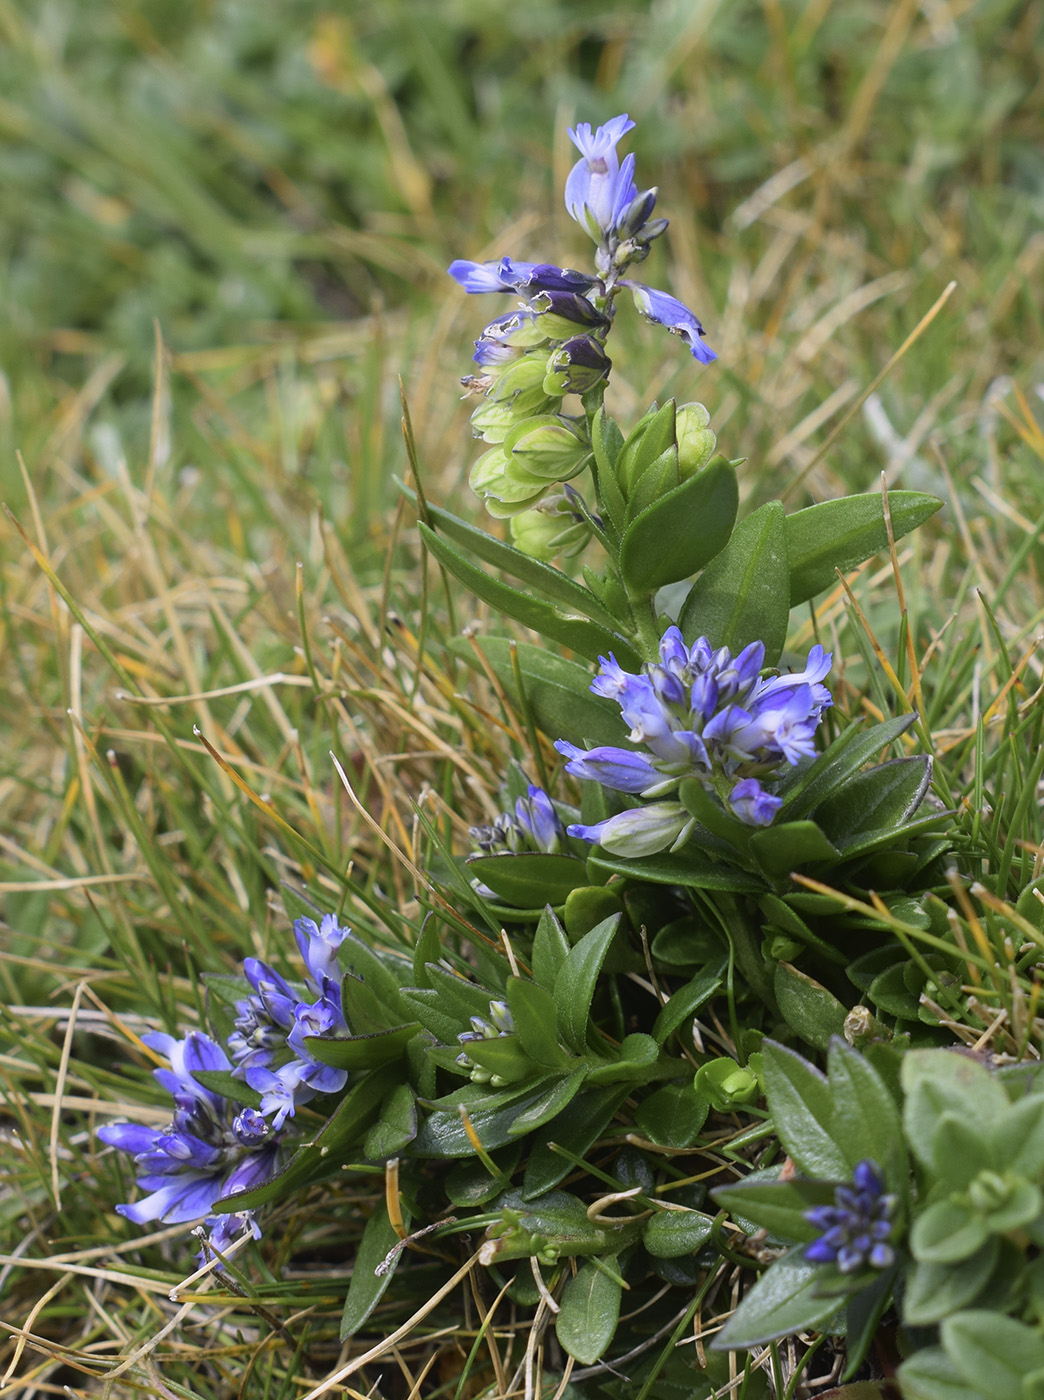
(696, 440)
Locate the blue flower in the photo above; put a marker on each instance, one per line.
(509, 275)
(600, 189)
(668, 311)
(318, 945)
(533, 826)
(268, 1043)
(857, 1227)
(705, 714)
(212, 1147)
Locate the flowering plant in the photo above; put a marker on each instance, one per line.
(534, 1037)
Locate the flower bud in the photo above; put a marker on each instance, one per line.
(548, 448)
(576, 367)
(696, 440)
(525, 374)
(545, 533)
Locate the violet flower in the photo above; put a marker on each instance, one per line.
(704, 714)
(211, 1149)
(857, 1227)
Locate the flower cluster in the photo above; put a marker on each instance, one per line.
(500, 1023)
(215, 1147)
(212, 1147)
(552, 343)
(268, 1044)
(857, 1227)
(701, 714)
(533, 826)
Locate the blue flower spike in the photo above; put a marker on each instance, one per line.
(551, 344)
(857, 1228)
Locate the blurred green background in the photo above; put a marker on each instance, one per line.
(268, 177)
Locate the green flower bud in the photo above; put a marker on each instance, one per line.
(496, 475)
(524, 375)
(548, 531)
(548, 447)
(696, 441)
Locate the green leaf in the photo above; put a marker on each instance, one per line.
(223, 1082)
(651, 436)
(503, 1056)
(442, 1134)
(931, 1375)
(935, 1291)
(366, 1287)
(866, 1125)
(637, 1054)
(671, 1234)
(543, 578)
(530, 879)
(961, 1150)
(783, 1301)
(589, 905)
(581, 635)
(534, 1014)
(807, 1007)
(802, 1109)
(396, 1127)
(682, 531)
(358, 1052)
(777, 1206)
(550, 949)
(576, 1129)
(589, 1313)
(457, 994)
(946, 1233)
(425, 1004)
(379, 1003)
(841, 534)
(879, 800)
(558, 1094)
(1018, 1139)
(743, 594)
(557, 691)
(672, 1116)
(935, 1081)
(329, 1149)
(688, 867)
(854, 747)
(575, 983)
(607, 440)
(791, 846)
(687, 1001)
(992, 1352)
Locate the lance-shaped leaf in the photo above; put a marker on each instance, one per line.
(854, 747)
(358, 1052)
(880, 800)
(534, 1014)
(367, 1286)
(580, 634)
(840, 534)
(743, 595)
(575, 983)
(784, 1300)
(530, 879)
(682, 531)
(544, 580)
(557, 691)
